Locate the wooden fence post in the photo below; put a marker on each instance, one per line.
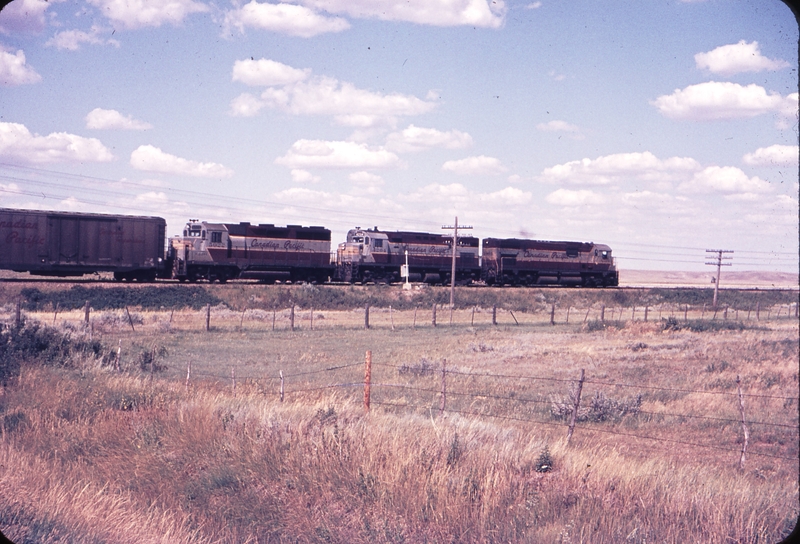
(685, 313)
(233, 380)
(241, 321)
(633, 313)
(514, 317)
(568, 309)
(586, 317)
(603, 313)
(55, 314)
(744, 424)
(553, 314)
(702, 315)
(86, 312)
(758, 310)
(188, 374)
(366, 316)
(19, 313)
(119, 355)
(281, 385)
(312, 318)
(472, 319)
(494, 314)
(391, 316)
(414, 326)
(291, 317)
(208, 317)
(725, 313)
(646, 311)
(130, 319)
(273, 319)
(575, 407)
(367, 379)
(444, 388)
(433, 315)
(451, 315)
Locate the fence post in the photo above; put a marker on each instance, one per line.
(366, 316)
(444, 388)
(171, 314)
(208, 317)
(703, 315)
(391, 316)
(603, 313)
(494, 314)
(291, 317)
(86, 312)
(55, 314)
(685, 313)
(241, 321)
(433, 315)
(19, 312)
(633, 313)
(119, 354)
(744, 425)
(281, 385)
(568, 309)
(233, 380)
(586, 317)
(451, 315)
(758, 310)
(472, 319)
(646, 311)
(553, 314)
(515, 317)
(414, 326)
(312, 318)
(367, 379)
(575, 407)
(273, 319)
(130, 319)
(188, 374)
(725, 313)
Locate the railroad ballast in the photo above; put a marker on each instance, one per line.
(134, 249)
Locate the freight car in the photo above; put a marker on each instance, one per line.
(221, 251)
(376, 255)
(73, 244)
(512, 261)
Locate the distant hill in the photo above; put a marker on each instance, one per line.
(743, 279)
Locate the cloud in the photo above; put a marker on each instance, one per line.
(534, 5)
(283, 18)
(569, 198)
(266, 73)
(736, 58)
(477, 13)
(298, 93)
(133, 14)
(723, 100)
(620, 167)
(475, 166)
(561, 126)
(152, 159)
(14, 70)
(367, 183)
(24, 16)
(723, 179)
(71, 40)
(418, 139)
(774, 155)
(17, 143)
(102, 119)
(337, 154)
(304, 176)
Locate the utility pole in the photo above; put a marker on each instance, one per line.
(454, 228)
(719, 264)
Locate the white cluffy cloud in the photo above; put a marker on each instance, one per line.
(101, 119)
(416, 138)
(561, 126)
(338, 154)
(14, 70)
(479, 13)
(71, 40)
(736, 58)
(143, 13)
(152, 159)
(24, 16)
(774, 155)
(475, 166)
(304, 176)
(283, 18)
(570, 198)
(297, 92)
(723, 100)
(723, 179)
(17, 142)
(620, 167)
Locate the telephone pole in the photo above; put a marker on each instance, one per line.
(454, 228)
(719, 264)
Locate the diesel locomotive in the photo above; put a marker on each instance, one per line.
(135, 248)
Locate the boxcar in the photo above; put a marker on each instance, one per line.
(222, 251)
(72, 244)
(513, 261)
(374, 255)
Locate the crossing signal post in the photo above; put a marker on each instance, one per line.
(454, 228)
(720, 256)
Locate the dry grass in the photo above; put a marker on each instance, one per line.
(96, 455)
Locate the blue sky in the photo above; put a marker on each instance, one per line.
(662, 128)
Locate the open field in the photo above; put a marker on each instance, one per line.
(124, 450)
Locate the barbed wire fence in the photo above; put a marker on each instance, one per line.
(600, 415)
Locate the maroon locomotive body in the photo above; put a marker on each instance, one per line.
(375, 255)
(72, 244)
(513, 261)
(222, 251)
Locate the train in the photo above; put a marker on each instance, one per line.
(136, 248)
